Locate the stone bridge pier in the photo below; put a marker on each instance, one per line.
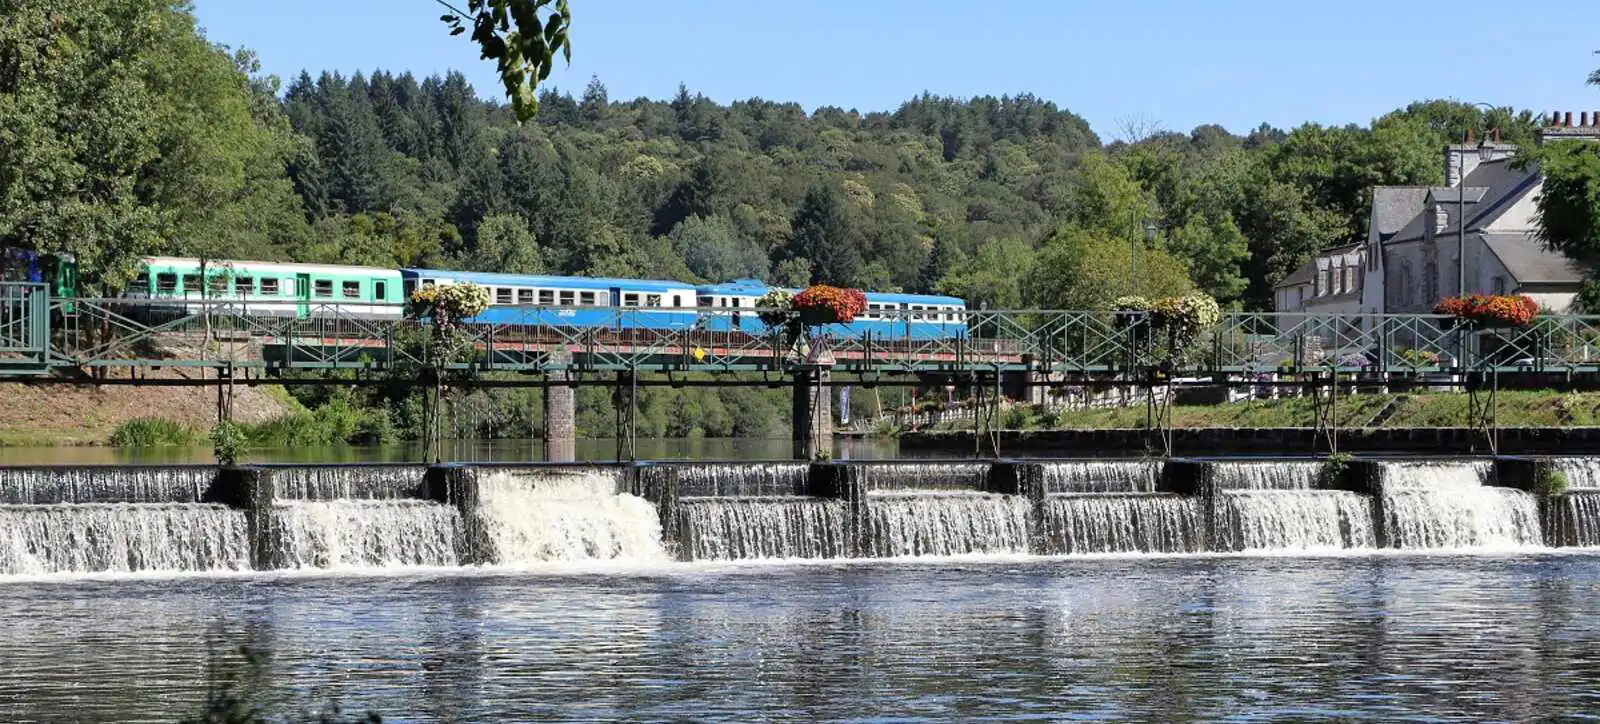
(812, 415)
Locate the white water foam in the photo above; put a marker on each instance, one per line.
(1447, 505)
(944, 523)
(1294, 520)
(1125, 523)
(765, 527)
(1101, 476)
(1268, 474)
(539, 516)
(122, 537)
(365, 534)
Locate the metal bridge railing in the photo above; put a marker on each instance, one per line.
(37, 332)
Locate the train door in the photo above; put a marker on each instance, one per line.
(302, 295)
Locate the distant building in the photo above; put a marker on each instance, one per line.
(1410, 259)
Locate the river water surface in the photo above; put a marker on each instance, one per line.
(1378, 637)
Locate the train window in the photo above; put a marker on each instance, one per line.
(427, 283)
(504, 295)
(322, 288)
(352, 290)
(566, 298)
(380, 291)
(652, 300)
(586, 299)
(244, 285)
(219, 285)
(408, 287)
(525, 297)
(269, 286)
(735, 301)
(677, 301)
(630, 300)
(167, 282)
(547, 297)
(191, 283)
(705, 302)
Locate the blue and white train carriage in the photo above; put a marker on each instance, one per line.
(522, 299)
(731, 306)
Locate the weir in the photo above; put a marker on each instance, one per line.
(73, 520)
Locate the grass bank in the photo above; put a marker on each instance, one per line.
(1518, 408)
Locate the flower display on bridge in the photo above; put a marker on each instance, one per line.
(822, 304)
(1490, 310)
(447, 304)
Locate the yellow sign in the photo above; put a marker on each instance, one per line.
(699, 355)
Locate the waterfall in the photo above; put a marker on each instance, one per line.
(104, 484)
(1125, 523)
(1581, 472)
(1575, 518)
(1293, 519)
(1447, 505)
(335, 482)
(765, 527)
(742, 479)
(1268, 475)
(924, 476)
(365, 534)
(930, 523)
(1101, 476)
(533, 516)
(122, 537)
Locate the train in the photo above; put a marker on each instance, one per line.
(305, 291)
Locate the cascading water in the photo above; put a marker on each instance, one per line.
(762, 527)
(1581, 472)
(1124, 523)
(1447, 505)
(365, 534)
(532, 516)
(1574, 518)
(1268, 475)
(1293, 519)
(1101, 476)
(924, 476)
(104, 484)
(741, 479)
(938, 523)
(122, 537)
(339, 482)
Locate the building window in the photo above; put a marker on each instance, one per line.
(1322, 284)
(269, 286)
(352, 290)
(1349, 279)
(322, 288)
(1498, 284)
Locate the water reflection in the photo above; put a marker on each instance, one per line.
(456, 451)
(1378, 637)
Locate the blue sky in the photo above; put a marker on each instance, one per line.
(1177, 64)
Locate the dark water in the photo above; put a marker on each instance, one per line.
(456, 451)
(1380, 638)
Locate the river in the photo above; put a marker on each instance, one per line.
(1382, 637)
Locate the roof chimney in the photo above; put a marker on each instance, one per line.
(1583, 119)
(1568, 122)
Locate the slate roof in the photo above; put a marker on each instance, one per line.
(1307, 272)
(1505, 185)
(1529, 262)
(1394, 206)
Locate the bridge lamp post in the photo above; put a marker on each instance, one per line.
(1133, 253)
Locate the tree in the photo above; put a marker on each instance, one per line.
(1214, 251)
(1567, 216)
(712, 250)
(522, 37)
(994, 277)
(1087, 268)
(826, 233)
(505, 245)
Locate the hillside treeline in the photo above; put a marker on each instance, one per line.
(124, 132)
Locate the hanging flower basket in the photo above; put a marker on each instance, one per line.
(822, 304)
(1483, 311)
(447, 304)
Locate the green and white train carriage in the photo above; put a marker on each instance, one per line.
(273, 288)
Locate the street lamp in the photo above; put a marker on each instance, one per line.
(1485, 152)
(1133, 259)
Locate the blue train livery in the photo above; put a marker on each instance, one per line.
(732, 306)
(518, 299)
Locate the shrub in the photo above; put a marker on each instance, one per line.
(228, 443)
(154, 432)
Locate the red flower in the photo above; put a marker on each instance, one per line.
(1506, 310)
(822, 304)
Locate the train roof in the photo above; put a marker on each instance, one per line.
(596, 283)
(257, 266)
(756, 287)
(738, 286)
(914, 298)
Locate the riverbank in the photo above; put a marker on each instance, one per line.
(1513, 408)
(41, 415)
